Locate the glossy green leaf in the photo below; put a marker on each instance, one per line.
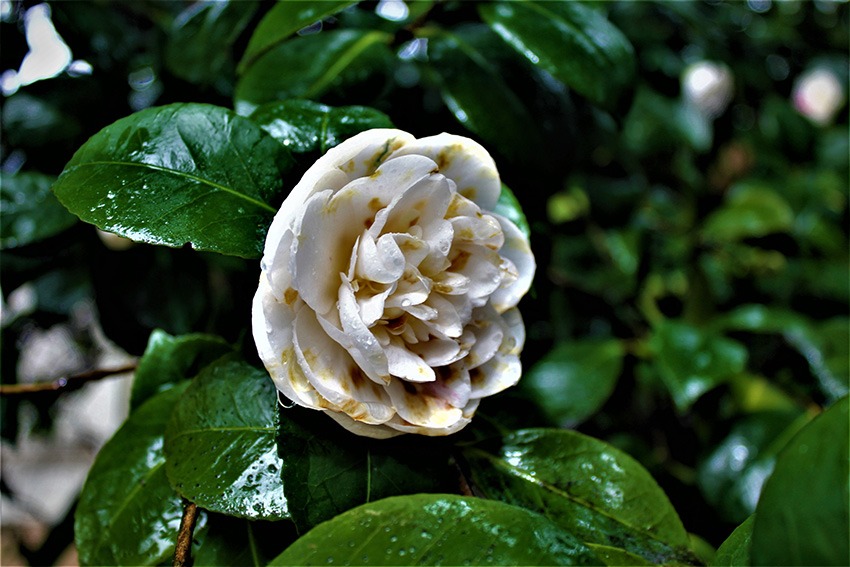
(29, 212)
(508, 206)
(735, 551)
(310, 66)
(437, 529)
(691, 361)
(803, 517)
(495, 113)
(180, 173)
(731, 477)
(327, 470)
(750, 210)
(283, 20)
(168, 360)
(616, 556)
(586, 486)
(825, 344)
(305, 126)
(221, 443)
(128, 513)
(201, 26)
(574, 379)
(572, 41)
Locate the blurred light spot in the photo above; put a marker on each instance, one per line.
(818, 95)
(416, 49)
(48, 55)
(14, 162)
(311, 29)
(392, 10)
(708, 86)
(777, 67)
(759, 6)
(80, 68)
(6, 10)
(739, 457)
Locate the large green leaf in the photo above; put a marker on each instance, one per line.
(573, 42)
(574, 379)
(128, 513)
(803, 517)
(221, 443)
(283, 20)
(586, 486)
(327, 471)
(306, 126)
(735, 551)
(29, 212)
(731, 477)
(169, 359)
(495, 113)
(437, 529)
(750, 210)
(202, 25)
(180, 173)
(310, 66)
(691, 360)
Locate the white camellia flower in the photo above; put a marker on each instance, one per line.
(388, 288)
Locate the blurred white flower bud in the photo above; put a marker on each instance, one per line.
(818, 95)
(708, 86)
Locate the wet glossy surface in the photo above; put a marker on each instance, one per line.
(221, 443)
(128, 513)
(434, 529)
(585, 485)
(183, 173)
(573, 42)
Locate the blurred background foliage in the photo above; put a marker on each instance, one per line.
(688, 203)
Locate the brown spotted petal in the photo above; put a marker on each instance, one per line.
(389, 286)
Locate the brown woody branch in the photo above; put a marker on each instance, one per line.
(64, 384)
(183, 551)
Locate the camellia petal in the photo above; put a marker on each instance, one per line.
(389, 286)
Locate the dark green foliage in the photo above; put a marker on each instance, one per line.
(689, 318)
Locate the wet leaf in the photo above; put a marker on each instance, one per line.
(496, 113)
(310, 66)
(572, 41)
(437, 529)
(327, 471)
(574, 379)
(221, 443)
(803, 517)
(586, 486)
(200, 26)
(691, 361)
(30, 212)
(169, 359)
(283, 20)
(177, 174)
(731, 477)
(305, 126)
(128, 513)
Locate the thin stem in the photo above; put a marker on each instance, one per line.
(64, 384)
(183, 551)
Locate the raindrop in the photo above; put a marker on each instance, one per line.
(394, 538)
(405, 303)
(330, 560)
